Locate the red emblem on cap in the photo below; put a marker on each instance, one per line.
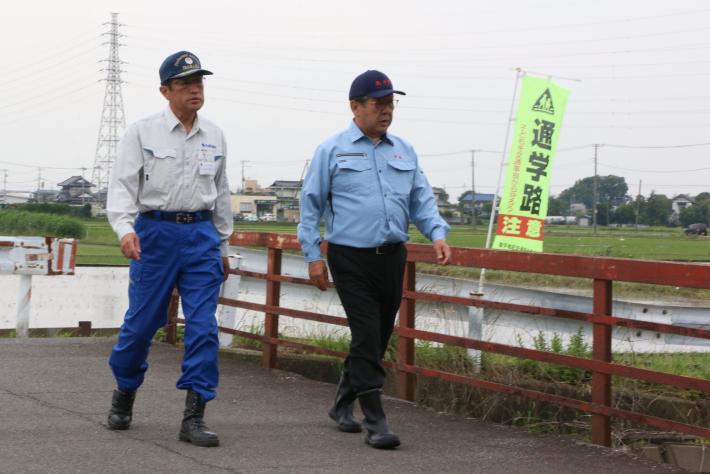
(378, 83)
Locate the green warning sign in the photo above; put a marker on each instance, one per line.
(523, 205)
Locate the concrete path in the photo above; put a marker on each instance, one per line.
(54, 395)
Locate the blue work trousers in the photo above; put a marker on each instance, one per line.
(182, 255)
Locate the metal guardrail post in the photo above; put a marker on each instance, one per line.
(601, 350)
(406, 382)
(171, 326)
(84, 328)
(271, 320)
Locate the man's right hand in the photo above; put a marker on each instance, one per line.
(131, 246)
(318, 273)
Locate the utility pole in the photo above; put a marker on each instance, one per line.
(638, 205)
(39, 182)
(305, 168)
(596, 195)
(243, 178)
(473, 189)
(83, 188)
(113, 119)
(4, 181)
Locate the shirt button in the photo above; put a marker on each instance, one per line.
(380, 171)
(385, 195)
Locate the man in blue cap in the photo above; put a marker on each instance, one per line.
(169, 204)
(368, 185)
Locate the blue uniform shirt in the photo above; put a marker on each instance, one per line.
(367, 193)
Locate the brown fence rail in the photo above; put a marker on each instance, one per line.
(603, 271)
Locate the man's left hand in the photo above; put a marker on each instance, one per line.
(225, 264)
(443, 252)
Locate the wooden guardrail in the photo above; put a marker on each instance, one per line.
(602, 270)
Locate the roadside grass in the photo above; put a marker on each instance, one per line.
(455, 359)
(686, 406)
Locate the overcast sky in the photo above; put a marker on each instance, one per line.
(283, 70)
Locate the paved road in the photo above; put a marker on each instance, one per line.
(54, 394)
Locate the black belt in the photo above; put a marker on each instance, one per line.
(179, 217)
(384, 249)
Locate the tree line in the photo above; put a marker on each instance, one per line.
(616, 206)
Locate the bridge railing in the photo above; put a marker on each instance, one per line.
(602, 270)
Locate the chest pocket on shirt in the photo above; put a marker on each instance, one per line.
(353, 176)
(401, 175)
(159, 167)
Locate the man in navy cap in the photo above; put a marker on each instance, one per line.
(369, 186)
(169, 204)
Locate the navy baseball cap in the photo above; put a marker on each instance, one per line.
(181, 64)
(372, 83)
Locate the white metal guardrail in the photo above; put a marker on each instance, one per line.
(28, 256)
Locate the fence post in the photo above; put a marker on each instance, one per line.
(601, 350)
(171, 326)
(84, 328)
(271, 321)
(405, 345)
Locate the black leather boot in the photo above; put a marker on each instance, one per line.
(193, 428)
(121, 413)
(378, 433)
(342, 410)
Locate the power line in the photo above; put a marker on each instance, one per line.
(50, 92)
(537, 27)
(260, 45)
(687, 145)
(656, 171)
(460, 152)
(61, 63)
(25, 165)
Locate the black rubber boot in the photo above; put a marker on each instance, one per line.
(121, 413)
(342, 410)
(193, 428)
(378, 433)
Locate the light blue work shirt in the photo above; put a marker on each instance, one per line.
(367, 193)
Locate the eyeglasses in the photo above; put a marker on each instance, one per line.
(380, 104)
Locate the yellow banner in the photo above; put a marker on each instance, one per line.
(523, 205)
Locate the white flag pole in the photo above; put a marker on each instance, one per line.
(475, 315)
(494, 206)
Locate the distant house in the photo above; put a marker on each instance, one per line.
(253, 204)
(75, 190)
(441, 196)
(251, 186)
(468, 201)
(45, 195)
(450, 212)
(287, 194)
(286, 189)
(578, 208)
(680, 202)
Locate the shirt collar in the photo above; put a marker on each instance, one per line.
(173, 121)
(356, 134)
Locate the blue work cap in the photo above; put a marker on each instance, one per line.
(181, 64)
(372, 83)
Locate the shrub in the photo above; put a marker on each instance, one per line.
(15, 222)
